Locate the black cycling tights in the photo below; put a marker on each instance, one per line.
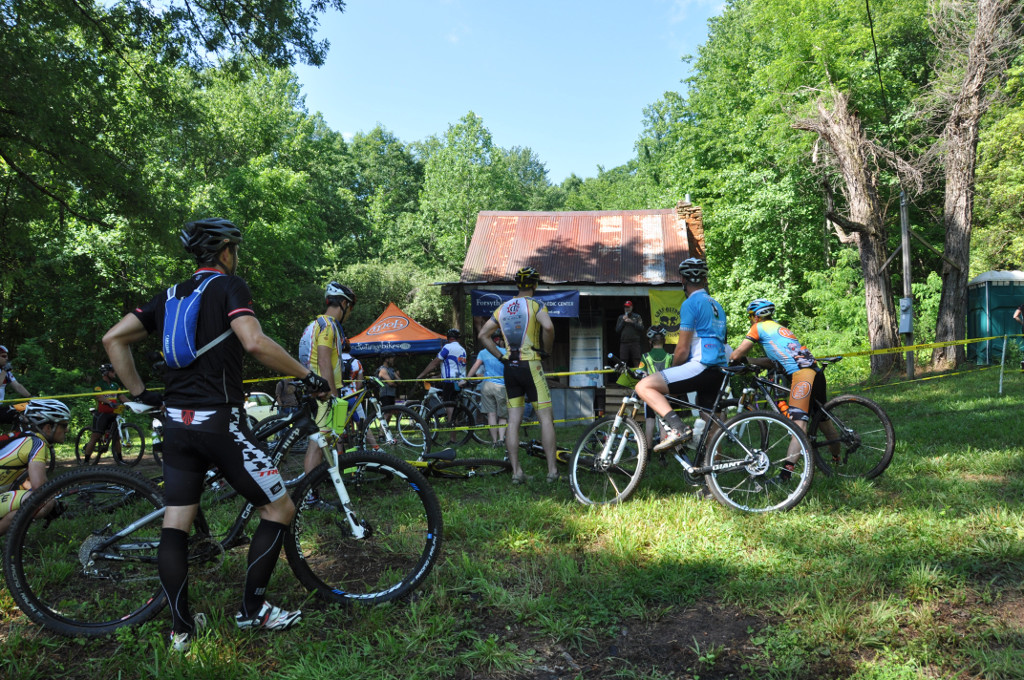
(264, 551)
(172, 562)
(172, 565)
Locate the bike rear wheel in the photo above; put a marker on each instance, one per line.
(763, 483)
(133, 446)
(861, 441)
(65, 570)
(389, 500)
(595, 481)
(465, 468)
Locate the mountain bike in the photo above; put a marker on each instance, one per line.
(850, 435)
(125, 441)
(80, 557)
(422, 407)
(745, 461)
(465, 414)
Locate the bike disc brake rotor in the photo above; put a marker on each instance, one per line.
(759, 465)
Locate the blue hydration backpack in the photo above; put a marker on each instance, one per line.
(180, 318)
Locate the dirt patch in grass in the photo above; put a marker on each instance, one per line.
(706, 640)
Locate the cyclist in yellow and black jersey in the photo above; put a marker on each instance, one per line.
(48, 419)
(529, 336)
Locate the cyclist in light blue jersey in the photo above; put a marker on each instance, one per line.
(701, 347)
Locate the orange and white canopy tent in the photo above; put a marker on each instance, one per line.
(395, 331)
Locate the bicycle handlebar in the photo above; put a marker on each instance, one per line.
(622, 367)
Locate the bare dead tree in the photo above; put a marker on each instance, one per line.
(856, 160)
(976, 41)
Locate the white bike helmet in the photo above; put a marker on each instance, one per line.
(39, 412)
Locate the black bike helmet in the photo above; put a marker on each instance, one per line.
(527, 277)
(694, 270)
(207, 237)
(336, 292)
(454, 333)
(106, 368)
(657, 330)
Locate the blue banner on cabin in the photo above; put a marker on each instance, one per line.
(561, 304)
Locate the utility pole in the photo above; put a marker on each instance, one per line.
(907, 301)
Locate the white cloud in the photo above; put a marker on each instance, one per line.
(684, 10)
(455, 35)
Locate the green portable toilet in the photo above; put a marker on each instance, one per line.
(992, 298)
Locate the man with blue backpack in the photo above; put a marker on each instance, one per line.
(207, 325)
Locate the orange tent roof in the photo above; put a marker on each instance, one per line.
(395, 331)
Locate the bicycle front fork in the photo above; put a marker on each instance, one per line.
(358, 530)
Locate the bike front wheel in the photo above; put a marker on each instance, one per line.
(762, 463)
(608, 462)
(374, 546)
(133, 446)
(852, 436)
(478, 419)
(397, 430)
(65, 568)
(451, 430)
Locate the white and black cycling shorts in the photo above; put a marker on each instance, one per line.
(197, 440)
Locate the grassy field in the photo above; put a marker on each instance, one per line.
(914, 575)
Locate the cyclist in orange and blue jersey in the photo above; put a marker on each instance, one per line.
(807, 388)
(48, 419)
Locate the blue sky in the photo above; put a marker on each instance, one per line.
(567, 78)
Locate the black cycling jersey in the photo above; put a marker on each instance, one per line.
(215, 377)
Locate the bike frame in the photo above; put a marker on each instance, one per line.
(608, 458)
(297, 429)
(771, 390)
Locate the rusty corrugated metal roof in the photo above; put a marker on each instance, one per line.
(642, 247)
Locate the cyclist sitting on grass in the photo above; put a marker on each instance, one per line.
(107, 407)
(48, 419)
(807, 380)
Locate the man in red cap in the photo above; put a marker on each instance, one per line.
(630, 328)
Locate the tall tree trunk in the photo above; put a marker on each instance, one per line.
(989, 36)
(864, 227)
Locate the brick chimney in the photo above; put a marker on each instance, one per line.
(691, 218)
